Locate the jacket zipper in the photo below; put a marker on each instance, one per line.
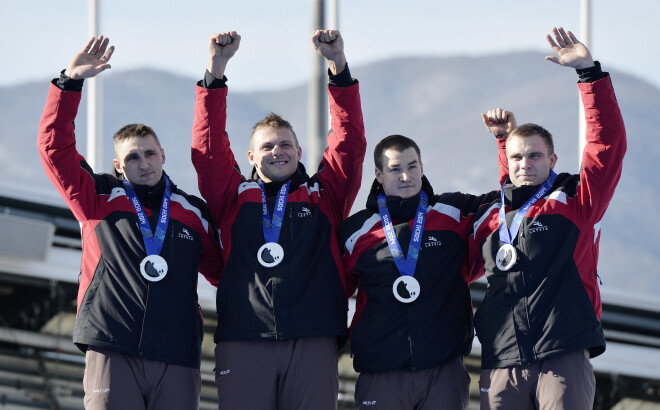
(523, 248)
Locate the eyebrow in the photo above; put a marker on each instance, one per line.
(529, 153)
(398, 164)
(136, 152)
(278, 142)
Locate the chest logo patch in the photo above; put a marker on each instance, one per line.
(537, 227)
(432, 241)
(304, 212)
(185, 234)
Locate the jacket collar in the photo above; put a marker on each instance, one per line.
(150, 197)
(517, 196)
(297, 179)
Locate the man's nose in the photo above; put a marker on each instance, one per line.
(144, 164)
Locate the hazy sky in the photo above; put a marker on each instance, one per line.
(37, 38)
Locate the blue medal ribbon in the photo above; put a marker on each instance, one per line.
(508, 235)
(153, 243)
(272, 226)
(406, 265)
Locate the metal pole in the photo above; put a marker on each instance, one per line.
(333, 14)
(585, 38)
(333, 23)
(317, 97)
(94, 93)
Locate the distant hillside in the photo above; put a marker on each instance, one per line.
(436, 101)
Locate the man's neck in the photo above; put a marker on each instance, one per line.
(151, 196)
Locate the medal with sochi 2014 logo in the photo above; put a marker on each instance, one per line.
(405, 288)
(153, 267)
(271, 253)
(507, 255)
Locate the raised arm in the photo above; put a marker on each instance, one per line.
(500, 123)
(56, 141)
(222, 47)
(341, 168)
(603, 154)
(330, 45)
(91, 60)
(569, 51)
(218, 176)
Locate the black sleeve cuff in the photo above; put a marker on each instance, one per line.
(211, 82)
(66, 83)
(342, 79)
(591, 74)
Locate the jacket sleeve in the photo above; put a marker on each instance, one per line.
(482, 225)
(503, 165)
(603, 154)
(340, 171)
(64, 166)
(218, 176)
(211, 260)
(351, 277)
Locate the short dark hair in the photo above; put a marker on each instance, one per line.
(134, 130)
(527, 130)
(396, 142)
(272, 120)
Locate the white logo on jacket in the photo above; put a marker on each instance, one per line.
(538, 227)
(432, 241)
(185, 234)
(304, 211)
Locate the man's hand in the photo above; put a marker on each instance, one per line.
(222, 47)
(91, 60)
(330, 45)
(570, 52)
(499, 122)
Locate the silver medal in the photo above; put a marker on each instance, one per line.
(506, 257)
(270, 254)
(405, 289)
(153, 268)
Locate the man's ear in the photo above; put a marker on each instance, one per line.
(251, 158)
(379, 175)
(117, 166)
(553, 160)
(162, 153)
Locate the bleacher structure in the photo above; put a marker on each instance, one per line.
(40, 368)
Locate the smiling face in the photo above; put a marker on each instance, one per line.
(140, 160)
(401, 174)
(274, 152)
(529, 159)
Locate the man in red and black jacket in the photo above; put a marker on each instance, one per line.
(144, 242)
(537, 243)
(406, 255)
(281, 305)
